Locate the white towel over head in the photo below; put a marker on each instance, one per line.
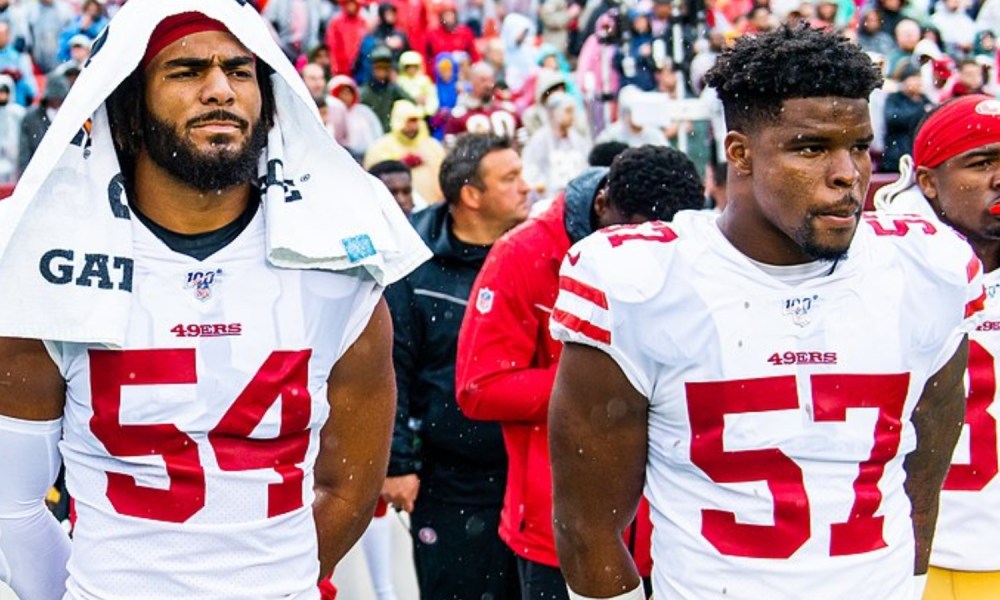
(66, 233)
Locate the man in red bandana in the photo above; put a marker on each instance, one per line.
(957, 160)
(200, 452)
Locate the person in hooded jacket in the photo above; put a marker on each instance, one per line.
(354, 125)
(414, 81)
(445, 469)
(409, 142)
(385, 34)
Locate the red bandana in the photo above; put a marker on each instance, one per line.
(958, 126)
(174, 28)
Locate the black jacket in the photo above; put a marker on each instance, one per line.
(460, 461)
(902, 115)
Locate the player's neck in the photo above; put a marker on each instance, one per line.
(469, 227)
(755, 238)
(178, 207)
(988, 251)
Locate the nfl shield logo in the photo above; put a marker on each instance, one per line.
(202, 283)
(484, 301)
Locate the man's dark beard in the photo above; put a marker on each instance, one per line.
(806, 238)
(216, 170)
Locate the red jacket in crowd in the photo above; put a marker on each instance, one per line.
(343, 38)
(411, 19)
(505, 370)
(460, 38)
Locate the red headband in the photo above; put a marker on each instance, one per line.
(174, 28)
(958, 126)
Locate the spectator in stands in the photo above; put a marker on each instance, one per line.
(871, 37)
(478, 110)
(544, 84)
(598, 83)
(315, 80)
(556, 17)
(380, 93)
(520, 58)
(12, 13)
(354, 125)
(11, 115)
(552, 68)
(17, 65)
(903, 111)
(89, 23)
(320, 55)
(446, 81)
(907, 36)
(493, 54)
(343, 36)
(450, 36)
(956, 27)
(79, 52)
(409, 141)
(397, 178)
(38, 119)
(988, 18)
(385, 34)
(970, 79)
(445, 469)
(46, 21)
(627, 129)
(297, 23)
(414, 81)
(556, 153)
(411, 18)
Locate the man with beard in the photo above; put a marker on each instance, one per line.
(785, 379)
(478, 110)
(198, 448)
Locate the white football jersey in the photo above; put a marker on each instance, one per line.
(779, 415)
(190, 451)
(968, 528)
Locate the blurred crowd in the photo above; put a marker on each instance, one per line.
(398, 80)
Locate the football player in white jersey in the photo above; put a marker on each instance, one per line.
(200, 454)
(784, 379)
(956, 157)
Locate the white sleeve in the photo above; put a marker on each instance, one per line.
(589, 312)
(33, 547)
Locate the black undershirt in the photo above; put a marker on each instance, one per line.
(200, 246)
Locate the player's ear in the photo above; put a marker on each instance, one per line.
(738, 152)
(927, 182)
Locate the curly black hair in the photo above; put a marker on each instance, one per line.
(655, 182)
(759, 73)
(461, 166)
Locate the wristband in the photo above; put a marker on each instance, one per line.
(637, 594)
(919, 583)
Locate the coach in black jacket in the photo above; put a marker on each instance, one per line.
(447, 470)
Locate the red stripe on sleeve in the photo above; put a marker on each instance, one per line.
(976, 305)
(581, 289)
(582, 326)
(973, 268)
